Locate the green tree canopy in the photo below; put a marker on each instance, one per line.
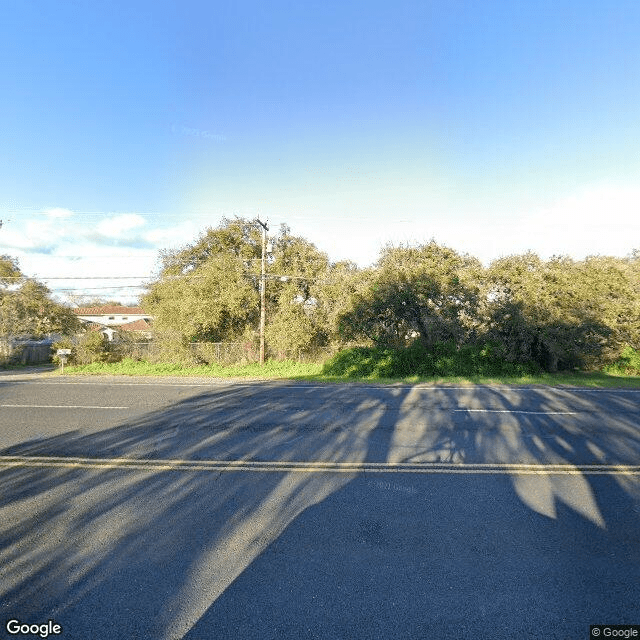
(296, 269)
(335, 296)
(26, 307)
(210, 290)
(10, 273)
(430, 292)
(213, 302)
(558, 313)
(238, 238)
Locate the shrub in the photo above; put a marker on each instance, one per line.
(92, 347)
(443, 359)
(627, 364)
(86, 349)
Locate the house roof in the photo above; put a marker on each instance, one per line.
(109, 310)
(136, 325)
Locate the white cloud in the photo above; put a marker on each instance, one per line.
(119, 226)
(32, 235)
(57, 242)
(174, 236)
(58, 212)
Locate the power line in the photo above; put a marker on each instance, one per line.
(95, 288)
(271, 276)
(57, 291)
(149, 281)
(45, 212)
(106, 255)
(188, 215)
(76, 277)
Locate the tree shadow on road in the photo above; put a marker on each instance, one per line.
(477, 555)
(83, 544)
(164, 553)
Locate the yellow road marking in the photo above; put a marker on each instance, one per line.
(58, 406)
(316, 467)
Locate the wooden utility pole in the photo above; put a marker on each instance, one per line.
(263, 283)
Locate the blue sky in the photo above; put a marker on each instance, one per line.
(494, 127)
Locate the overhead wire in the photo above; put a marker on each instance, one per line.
(68, 289)
(145, 285)
(35, 211)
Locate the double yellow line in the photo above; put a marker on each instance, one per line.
(154, 465)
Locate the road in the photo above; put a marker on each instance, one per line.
(167, 509)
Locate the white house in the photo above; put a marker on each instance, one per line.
(109, 318)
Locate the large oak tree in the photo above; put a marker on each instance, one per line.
(210, 290)
(429, 292)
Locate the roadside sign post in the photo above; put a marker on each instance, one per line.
(63, 353)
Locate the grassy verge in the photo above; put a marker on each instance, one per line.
(128, 367)
(311, 372)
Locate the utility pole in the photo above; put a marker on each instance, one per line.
(263, 283)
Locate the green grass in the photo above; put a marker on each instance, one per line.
(628, 364)
(310, 372)
(129, 367)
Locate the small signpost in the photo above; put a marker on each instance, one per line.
(63, 353)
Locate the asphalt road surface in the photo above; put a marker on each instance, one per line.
(133, 508)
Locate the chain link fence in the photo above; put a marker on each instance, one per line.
(224, 353)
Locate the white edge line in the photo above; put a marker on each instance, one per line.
(538, 413)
